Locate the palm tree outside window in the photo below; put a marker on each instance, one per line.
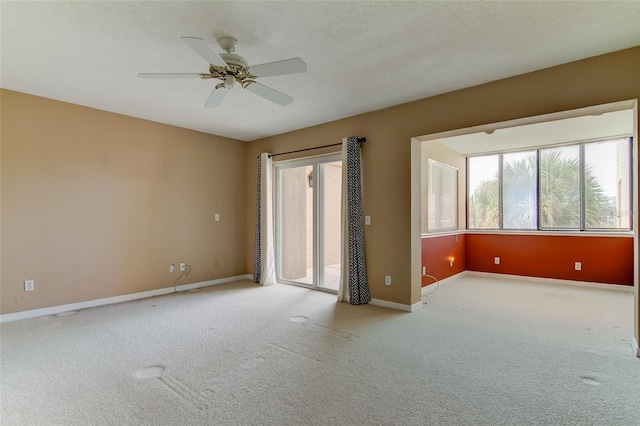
(575, 187)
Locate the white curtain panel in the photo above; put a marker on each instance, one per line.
(353, 280)
(264, 266)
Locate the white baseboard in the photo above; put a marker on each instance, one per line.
(636, 348)
(53, 310)
(396, 306)
(186, 287)
(428, 289)
(602, 286)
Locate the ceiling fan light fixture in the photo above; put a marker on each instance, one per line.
(229, 81)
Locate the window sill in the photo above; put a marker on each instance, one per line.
(627, 234)
(620, 234)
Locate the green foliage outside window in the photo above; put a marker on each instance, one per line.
(560, 202)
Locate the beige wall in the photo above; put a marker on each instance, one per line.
(96, 204)
(387, 152)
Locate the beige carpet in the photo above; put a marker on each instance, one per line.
(480, 352)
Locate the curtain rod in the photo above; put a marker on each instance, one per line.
(361, 140)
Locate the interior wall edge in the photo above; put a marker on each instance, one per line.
(396, 306)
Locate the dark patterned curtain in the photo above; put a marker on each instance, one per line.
(257, 256)
(353, 283)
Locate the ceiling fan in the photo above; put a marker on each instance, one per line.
(231, 69)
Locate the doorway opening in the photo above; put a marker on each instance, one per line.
(308, 195)
(558, 130)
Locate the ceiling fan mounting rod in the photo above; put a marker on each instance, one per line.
(228, 44)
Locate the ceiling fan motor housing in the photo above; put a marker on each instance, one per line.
(233, 59)
(237, 67)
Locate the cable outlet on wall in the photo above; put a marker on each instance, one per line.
(387, 280)
(578, 266)
(496, 260)
(172, 268)
(29, 285)
(183, 267)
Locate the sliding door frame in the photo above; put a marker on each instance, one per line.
(318, 216)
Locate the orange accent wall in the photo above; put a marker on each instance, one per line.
(604, 259)
(436, 252)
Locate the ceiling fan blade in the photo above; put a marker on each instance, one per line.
(168, 75)
(216, 97)
(288, 66)
(203, 49)
(270, 94)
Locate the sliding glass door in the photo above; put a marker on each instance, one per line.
(308, 231)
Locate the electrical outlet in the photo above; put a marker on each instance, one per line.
(217, 217)
(387, 280)
(578, 266)
(172, 268)
(29, 285)
(367, 220)
(496, 260)
(424, 270)
(183, 267)
(216, 263)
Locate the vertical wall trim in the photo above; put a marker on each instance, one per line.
(416, 217)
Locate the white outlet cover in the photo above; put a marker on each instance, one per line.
(367, 220)
(496, 260)
(183, 267)
(217, 217)
(387, 280)
(29, 285)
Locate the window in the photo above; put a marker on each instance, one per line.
(608, 184)
(519, 184)
(560, 187)
(575, 187)
(484, 193)
(442, 211)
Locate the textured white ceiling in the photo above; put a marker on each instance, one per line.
(361, 56)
